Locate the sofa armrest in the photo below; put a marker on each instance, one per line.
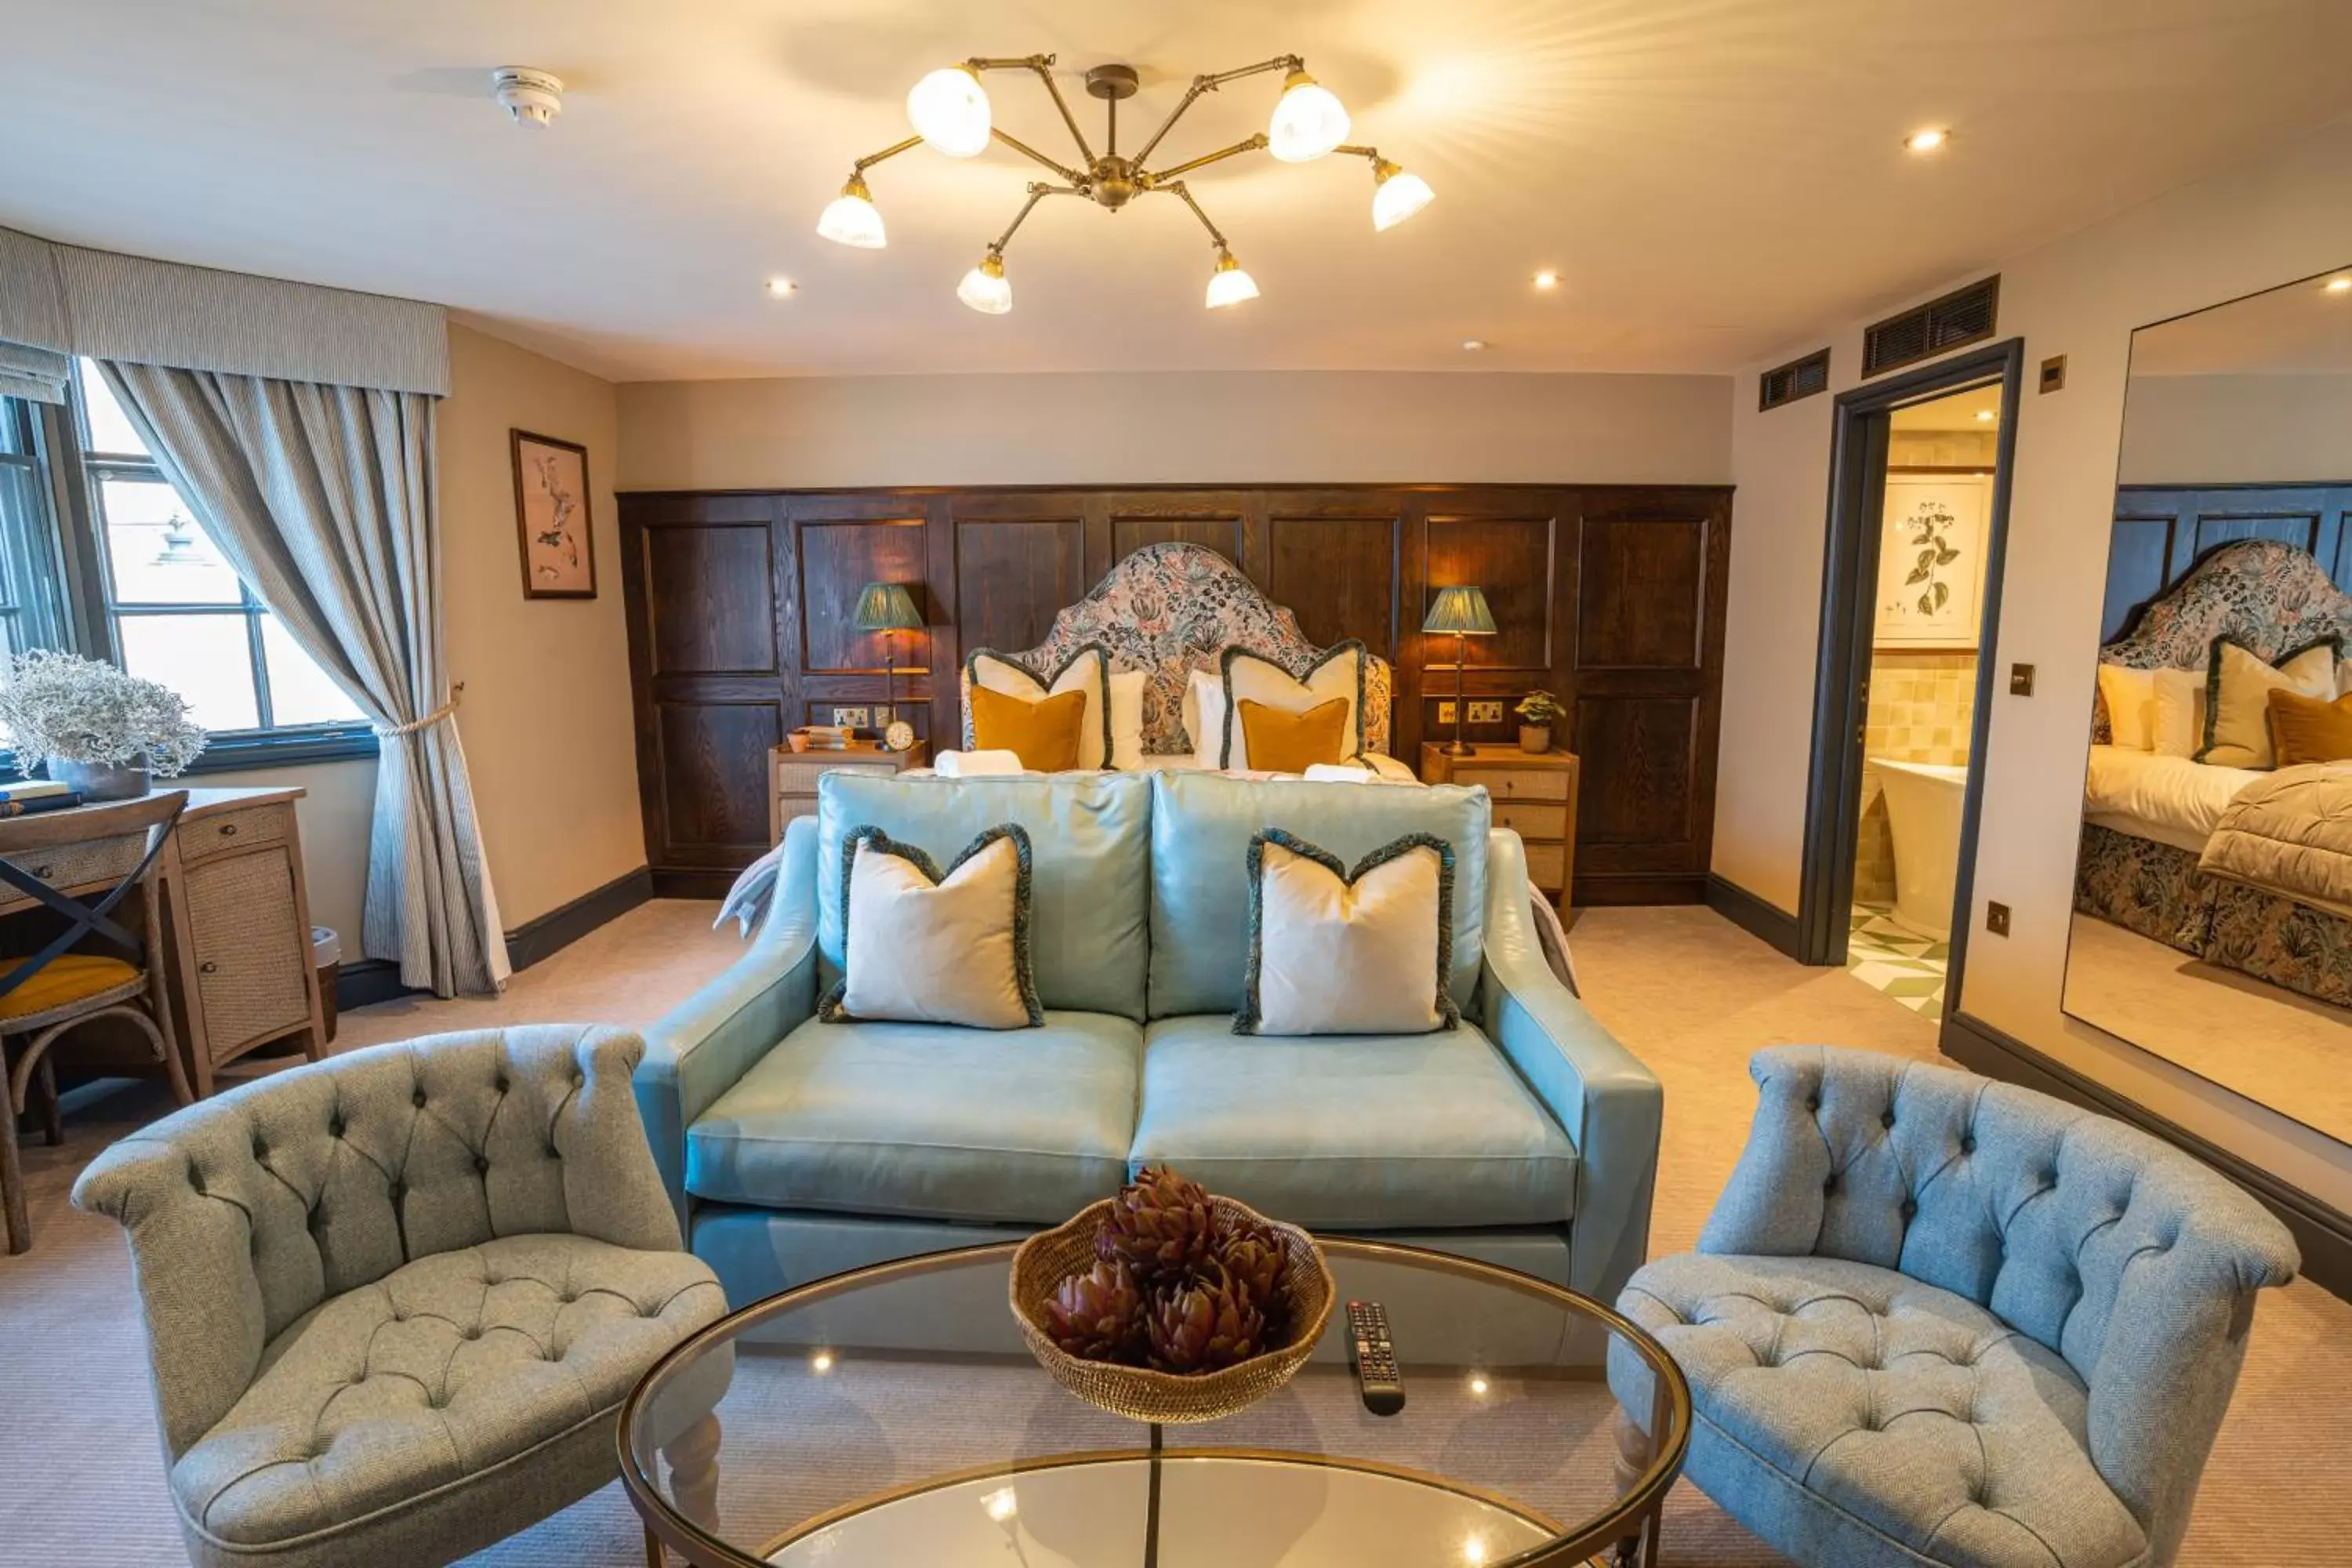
(697, 1050)
(1608, 1104)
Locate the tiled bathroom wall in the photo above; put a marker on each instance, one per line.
(1922, 707)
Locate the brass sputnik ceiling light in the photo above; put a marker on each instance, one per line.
(949, 110)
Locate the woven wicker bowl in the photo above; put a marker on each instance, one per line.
(1138, 1392)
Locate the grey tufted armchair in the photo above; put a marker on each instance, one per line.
(1936, 1319)
(394, 1300)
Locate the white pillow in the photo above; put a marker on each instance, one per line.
(920, 948)
(1126, 718)
(1086, 670)
(2179, 727)
(1334, 954)
(2131, 706)
(1205, 718)
(1338, 672)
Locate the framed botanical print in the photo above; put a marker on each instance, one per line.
(551, 520)
(1931, 560)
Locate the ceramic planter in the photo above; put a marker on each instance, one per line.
(1535, 738)
(102, 780)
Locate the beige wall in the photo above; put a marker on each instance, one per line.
(546, 723)
(1177, 426)
(2284, 216)
(2239, 429)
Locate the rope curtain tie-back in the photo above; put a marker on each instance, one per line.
(445, 711)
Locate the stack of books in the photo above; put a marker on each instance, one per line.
(828, 737)
(36, 795)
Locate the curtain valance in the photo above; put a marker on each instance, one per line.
(70, 299)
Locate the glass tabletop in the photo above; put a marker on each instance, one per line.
(892, 1414)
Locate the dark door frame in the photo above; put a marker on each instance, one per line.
(1858, 448)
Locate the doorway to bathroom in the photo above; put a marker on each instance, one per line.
(1910, 603)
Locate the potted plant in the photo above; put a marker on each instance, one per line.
(101, 730)
(1538, 711)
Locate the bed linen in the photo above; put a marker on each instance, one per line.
(2290, 833)
(2170, 800)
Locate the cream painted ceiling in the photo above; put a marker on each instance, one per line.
(1714, 179)
(2303, 328)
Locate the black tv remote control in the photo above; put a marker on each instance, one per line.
(1374, 1354)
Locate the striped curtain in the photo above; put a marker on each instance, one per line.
(324, 498)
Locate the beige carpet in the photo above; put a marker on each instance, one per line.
(1691, 995)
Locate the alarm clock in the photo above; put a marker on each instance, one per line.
(900, 736)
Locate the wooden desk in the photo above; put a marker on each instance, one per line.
(237, 933)
(793, 775)
(1534, 794)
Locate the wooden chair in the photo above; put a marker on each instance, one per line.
(54, 990)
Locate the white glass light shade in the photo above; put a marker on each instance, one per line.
(1228, 285)
(1397, 197)
(985, 288)
(851, 218)
(1308, 121)
(949, 110)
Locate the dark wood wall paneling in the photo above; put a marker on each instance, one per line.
(1611, 597)
(2161, 531)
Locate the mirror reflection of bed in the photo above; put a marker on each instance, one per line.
(2213, 892)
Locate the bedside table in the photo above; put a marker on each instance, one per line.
(1535, 797)
(793, 775)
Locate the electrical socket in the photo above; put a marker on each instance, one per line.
(1997, 917)
(850, 718)
(1485, 712)
(1445, 713)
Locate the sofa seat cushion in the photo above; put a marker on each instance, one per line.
(927, 1120)
(1863, 1411)
(1353, 1132)
(442, 1369)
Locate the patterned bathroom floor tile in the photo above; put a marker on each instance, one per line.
(1905, 967)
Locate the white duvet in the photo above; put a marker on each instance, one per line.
(2152, 795)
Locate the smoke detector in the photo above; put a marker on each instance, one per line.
(533, 97)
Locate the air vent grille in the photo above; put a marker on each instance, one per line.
(1798, 378)
(1964, 316)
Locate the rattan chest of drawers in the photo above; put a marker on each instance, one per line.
(793, 775)
(1535, 797)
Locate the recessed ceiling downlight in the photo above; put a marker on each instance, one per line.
(781, 288)
(2339, 285)
(1546, 278)
(1927, 140)
(1472, 345)
(530, 95)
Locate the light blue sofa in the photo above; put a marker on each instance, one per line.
(794, 1148)
(1938, 1319)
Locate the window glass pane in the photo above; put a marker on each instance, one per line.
(156, 551)
(111, 429)
(205, 658)
(300, 691)
(15, 428)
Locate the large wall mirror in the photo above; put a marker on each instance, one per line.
(2212, 917)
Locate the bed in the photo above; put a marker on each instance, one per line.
(1168, 610)
(2236, 866)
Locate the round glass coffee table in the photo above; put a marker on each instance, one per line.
(891, 1415)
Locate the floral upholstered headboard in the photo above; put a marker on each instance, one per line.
(1169, 609)
(2269, 599)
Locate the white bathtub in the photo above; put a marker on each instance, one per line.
(1923, 814)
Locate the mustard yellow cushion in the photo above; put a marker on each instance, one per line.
(2237, 715)
(2307, 729)
(1282, 741)
(64, 980)
(1045, 733)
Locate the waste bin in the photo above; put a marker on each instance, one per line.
(327, 958)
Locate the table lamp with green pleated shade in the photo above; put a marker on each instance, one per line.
(888, 608)
(1462, 612)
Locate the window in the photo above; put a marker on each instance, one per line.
(97, 526)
